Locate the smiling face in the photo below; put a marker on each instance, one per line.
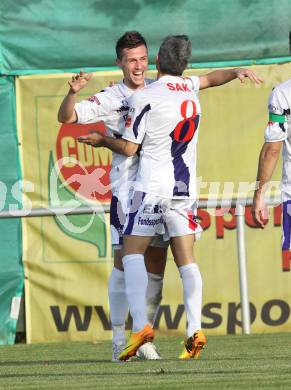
(134, 64)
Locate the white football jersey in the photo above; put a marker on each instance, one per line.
(164, 117)
(279, 127)
(111, 107)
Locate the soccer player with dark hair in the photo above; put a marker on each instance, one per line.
(163, 122)
(111, 107)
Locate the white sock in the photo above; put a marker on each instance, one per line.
(154, 295)
(192, 289)
(118, 334)
(118, 304)
(136, 281)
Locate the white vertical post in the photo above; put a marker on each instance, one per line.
(241, 250)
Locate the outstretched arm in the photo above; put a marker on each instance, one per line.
(267, 162)
(223, 76)
(120, 145)
(67, 113)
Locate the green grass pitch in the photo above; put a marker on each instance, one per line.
(229, 362)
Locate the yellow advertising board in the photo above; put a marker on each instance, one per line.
(68, 259)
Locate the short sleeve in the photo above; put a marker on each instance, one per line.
(94, 109)
(135, 125)
(278, 110)
(195, 83)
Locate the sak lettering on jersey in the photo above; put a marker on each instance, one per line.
(178, 87)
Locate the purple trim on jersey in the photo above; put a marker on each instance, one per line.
(286, 225)
(117, 216)
(181, 171)
(136, 202)
(182, 177)
(139, 118)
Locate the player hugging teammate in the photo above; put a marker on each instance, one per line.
(162, 125)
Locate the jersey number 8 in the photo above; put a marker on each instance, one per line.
(185, 129)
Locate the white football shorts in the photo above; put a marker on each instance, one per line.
(151, 216)
(119, 209)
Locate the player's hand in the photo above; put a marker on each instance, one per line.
(94, 139)
(79, 81)
(259, 210)
(242, 74)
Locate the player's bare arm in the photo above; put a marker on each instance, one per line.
(67, 113)
(120, 146)
(267, 162)
(223, 76)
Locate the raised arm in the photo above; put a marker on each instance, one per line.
(67, 113)
(223, 76)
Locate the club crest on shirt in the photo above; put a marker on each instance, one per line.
(122, 109)
(128, 121)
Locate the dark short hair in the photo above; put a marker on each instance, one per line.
(174, 54)
(129, 40)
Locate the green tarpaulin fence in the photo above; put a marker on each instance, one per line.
(11, 273)
(57, 35)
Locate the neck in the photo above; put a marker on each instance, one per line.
(133, 86)
(160, 74)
